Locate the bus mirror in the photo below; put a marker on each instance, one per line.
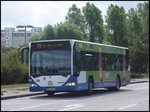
(24, 54)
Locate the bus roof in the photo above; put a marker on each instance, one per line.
(73, 40)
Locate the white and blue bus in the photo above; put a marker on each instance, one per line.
(73, 65)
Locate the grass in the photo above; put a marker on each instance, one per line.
(144, 75)
(140, 75)
(15, 85)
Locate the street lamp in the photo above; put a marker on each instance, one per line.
(24, 26)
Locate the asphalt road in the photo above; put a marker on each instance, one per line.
(134, 97)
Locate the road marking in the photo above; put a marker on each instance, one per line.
(69, 107)
(41, 105)
(127, 106)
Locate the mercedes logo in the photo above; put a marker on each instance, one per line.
(50, 83)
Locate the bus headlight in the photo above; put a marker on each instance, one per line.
(71, 84)
(33, 85)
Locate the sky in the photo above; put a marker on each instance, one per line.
(41, 13)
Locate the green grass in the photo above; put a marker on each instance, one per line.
(145, 75)
(140, 75)
(15, 85)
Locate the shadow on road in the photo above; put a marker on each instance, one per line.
(81, 94)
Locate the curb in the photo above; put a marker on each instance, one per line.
(138, 82)
(17, 96)
(32, 94)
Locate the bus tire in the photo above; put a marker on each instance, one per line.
(90, 86)
(49, 93)
(118, 83)
(117, 87)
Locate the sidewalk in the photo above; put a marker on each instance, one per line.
(17, 92)
(24, 91)
(136, 80)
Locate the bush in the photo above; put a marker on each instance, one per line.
(12, 70)
(135, 75)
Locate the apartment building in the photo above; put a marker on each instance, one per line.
(10, 37)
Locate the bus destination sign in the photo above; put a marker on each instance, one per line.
(51, 45)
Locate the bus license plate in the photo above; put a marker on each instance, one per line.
(50, 89)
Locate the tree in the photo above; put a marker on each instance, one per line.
(12, 70)
(143, 12)
(48, 33)
(68, 30)
(106, 39)
(75, 16)
(94, 22)
(36, 37)
(134, 26)
(116, 25)
(138, 23)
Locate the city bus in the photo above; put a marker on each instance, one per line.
(69, 65)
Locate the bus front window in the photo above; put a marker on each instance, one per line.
(53, 62)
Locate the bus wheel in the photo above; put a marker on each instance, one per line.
(117, 87)
(117, 83)
(90, 86)
(49, 93)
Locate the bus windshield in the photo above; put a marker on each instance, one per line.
(51, 62)
(50, 58)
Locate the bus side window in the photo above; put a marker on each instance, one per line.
(127, 60)
(117, 62)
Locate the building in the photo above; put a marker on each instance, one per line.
(10, 37)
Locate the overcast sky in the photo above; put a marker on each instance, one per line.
(41, 13)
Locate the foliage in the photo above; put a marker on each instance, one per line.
(116, 23)
(12, 70)
(138, 38)
(75, 16)
(36, 37)
(68, 30)
(94, 22)
(48, 33)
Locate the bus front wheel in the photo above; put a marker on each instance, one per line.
(49, 93)
(90, 86)
(117, 87)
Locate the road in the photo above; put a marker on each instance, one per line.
(134, 97)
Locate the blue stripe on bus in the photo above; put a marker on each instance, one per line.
(78, 87)
(105, 84)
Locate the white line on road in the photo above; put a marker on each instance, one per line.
(71, 107)
(127, 106)
(40, 105)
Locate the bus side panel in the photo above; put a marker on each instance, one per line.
(81, 81)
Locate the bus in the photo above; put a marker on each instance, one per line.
(69, 65)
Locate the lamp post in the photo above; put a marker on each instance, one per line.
(24, 26)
